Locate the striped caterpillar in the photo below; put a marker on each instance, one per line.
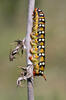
(38, 43)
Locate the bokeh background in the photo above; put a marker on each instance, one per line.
(13, 22)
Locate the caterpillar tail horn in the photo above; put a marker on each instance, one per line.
(44, 77)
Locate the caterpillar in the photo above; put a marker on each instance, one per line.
(38, 43)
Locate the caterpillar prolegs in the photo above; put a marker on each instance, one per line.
(38, 43)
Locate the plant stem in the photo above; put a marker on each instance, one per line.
(29, 30)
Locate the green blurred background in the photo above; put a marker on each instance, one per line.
(13, 20)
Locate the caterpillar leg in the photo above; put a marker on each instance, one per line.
(32, 43)
(33, 36)
(33, 59)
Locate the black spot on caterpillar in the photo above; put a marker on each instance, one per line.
(38, 43)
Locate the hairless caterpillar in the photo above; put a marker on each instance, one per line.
(38, 43)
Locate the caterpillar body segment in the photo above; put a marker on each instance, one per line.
(37, 51)
(36, 48)
(38, 43)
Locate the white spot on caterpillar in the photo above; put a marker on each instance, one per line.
(41, 14)
(40, 64)
(39, 54)
(42, 72)
(43, 63)
(43, 25)
(40, 25)
(39, 39)
(40, 19)
(43, 46)
(42, 31)
(43, 19)
(39, 10)
(43, 54)
(43, 39)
